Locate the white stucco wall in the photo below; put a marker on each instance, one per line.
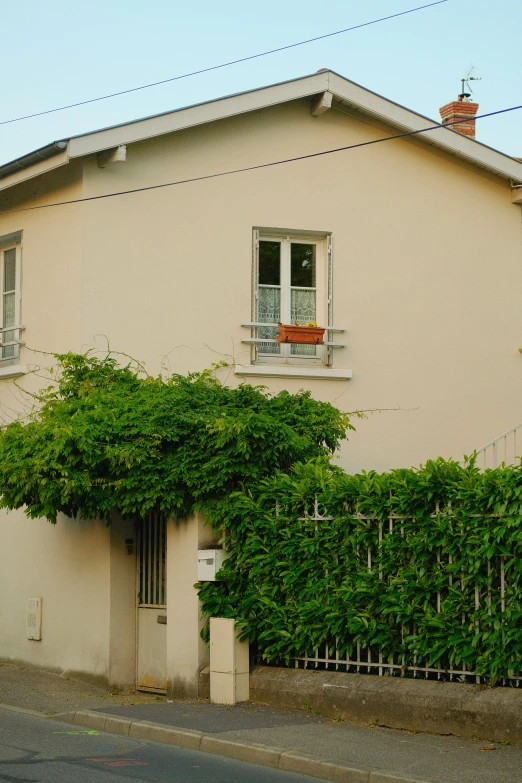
(427, 282)
(67, 566)
(427, 271)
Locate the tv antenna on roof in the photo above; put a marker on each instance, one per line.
(466, 84)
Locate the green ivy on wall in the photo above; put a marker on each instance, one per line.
(105, 437)
(422, 565)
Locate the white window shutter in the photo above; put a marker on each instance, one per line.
(329, 309)
(255, 279)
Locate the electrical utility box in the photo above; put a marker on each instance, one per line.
(209, 563)
(34, 619)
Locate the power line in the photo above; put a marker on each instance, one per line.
(259, 165)
(221, 65)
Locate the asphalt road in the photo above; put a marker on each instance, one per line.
(39, 750)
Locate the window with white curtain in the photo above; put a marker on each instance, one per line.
(10, 301)
(292, 285)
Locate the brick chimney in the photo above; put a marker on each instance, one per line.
(462, 112)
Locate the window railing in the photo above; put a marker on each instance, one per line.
(256, 325)
(10, 342)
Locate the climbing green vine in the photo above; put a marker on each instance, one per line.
(105, 437)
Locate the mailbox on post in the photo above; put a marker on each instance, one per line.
(209, 563)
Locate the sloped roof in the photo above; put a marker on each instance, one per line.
(345, 92)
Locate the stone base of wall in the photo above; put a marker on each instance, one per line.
(493, 714)
(204, 683)
(98, 680)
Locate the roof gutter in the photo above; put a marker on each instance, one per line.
(33, 157)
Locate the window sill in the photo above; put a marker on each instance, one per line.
(12, 371)
(287, 371)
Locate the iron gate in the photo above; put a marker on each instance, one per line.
(152, 603)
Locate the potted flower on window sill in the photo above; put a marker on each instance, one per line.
(309, 334)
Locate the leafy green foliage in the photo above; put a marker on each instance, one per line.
(107, 437)
(439, 538)
(442, 540)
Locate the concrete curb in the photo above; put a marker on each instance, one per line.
(23, 710)
(254, 753)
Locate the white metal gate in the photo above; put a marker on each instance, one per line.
(151, 674)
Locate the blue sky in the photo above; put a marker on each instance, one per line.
(56, 53)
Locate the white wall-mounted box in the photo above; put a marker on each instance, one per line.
(34, 619)
(209, 563)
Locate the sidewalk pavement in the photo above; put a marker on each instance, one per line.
(294, 740)
(34, 689)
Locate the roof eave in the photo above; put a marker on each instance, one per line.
(346, 92)
(407, 121)
(28, 160)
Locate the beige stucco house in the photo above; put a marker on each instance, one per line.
(180, 239)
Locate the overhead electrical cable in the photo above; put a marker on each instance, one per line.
(259, 165)
(221, 65)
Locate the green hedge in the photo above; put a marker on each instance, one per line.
(295, 583)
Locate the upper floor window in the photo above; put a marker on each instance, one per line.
(292, 282)
(10, 300)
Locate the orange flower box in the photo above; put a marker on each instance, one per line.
(304, 335)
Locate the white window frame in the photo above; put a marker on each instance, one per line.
(6, 245)
(323, 286)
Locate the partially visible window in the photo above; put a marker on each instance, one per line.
(303, 291)
(292, 285)
(269, 293)
(10, 301)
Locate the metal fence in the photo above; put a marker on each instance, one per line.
(370, 660)
(507, 449)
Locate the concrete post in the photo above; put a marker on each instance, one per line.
(122, 604)
(229, 663)
(187, 653)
